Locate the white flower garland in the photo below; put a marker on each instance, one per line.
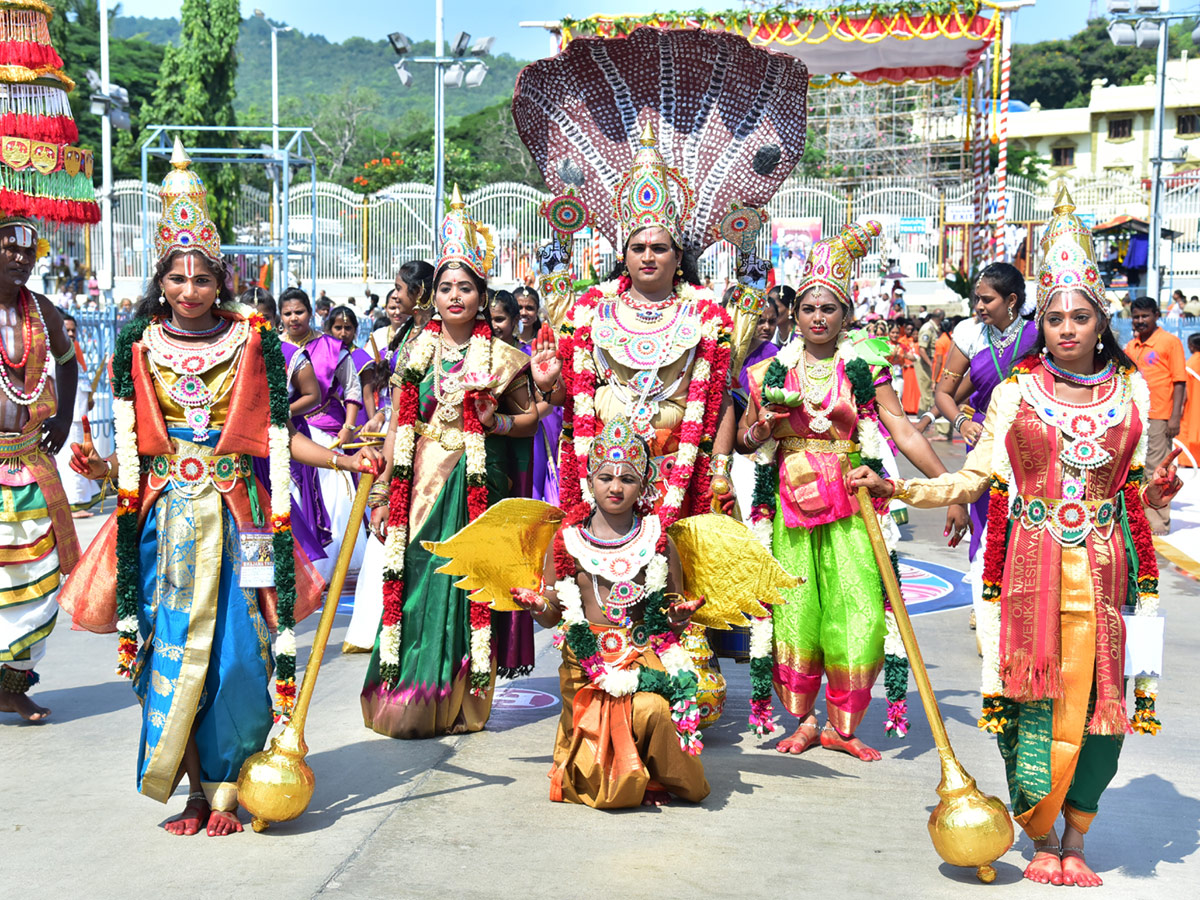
(477, 376)
(1141, 402)
(987, 626)
(396, 542)
(279, 441)
(622, 682)
(128, 473)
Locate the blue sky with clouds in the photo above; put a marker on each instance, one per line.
(374, 19)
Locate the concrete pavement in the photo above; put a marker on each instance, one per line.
(469, 816)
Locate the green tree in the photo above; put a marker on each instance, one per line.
(1059, 74)
(196, 87)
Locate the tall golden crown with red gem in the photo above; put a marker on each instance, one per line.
(651, 194)
(41, 175)
(185, 223)
(1068, 257)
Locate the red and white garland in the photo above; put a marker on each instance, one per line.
(705, 389)
(477, 380)
(688, 484)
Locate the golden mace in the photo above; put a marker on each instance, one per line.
(968, 827)
(276, 785)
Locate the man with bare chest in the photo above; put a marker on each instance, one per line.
(38, 545)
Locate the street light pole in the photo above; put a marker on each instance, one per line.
(106, 273)
(1154, 285)
(279, 272)
(439, 115)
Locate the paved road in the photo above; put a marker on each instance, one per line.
(469, 816)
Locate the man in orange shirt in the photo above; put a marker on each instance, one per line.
(1159, 357)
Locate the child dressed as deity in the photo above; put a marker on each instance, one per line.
(613, 579)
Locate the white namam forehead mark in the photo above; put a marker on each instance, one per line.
(1068, 301)
(22, 235)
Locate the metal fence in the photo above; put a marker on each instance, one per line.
(365, 238)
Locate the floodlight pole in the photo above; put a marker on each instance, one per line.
(1154, 285)
(107, 267)
(277, 270)
(439, 116)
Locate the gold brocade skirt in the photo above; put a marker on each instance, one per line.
(610, 750)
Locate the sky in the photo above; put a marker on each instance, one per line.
(374, 18)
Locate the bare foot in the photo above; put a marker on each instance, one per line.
(1075, 869)
(1046, 865)
(221, 823)
(195, 815)
(22, 706)
(800, 739)
(650, 798)
(82, 514)
(831, 740)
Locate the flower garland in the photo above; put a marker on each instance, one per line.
(477, 369)
(762, 517)
(688, 487)
(129, 506)
(705, 389)
(678, 685)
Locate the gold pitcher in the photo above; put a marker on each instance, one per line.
(276, 784)
(968, 827)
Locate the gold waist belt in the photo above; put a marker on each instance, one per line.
(190, 473)
(815, 445)
(450, 438)
(1069, 520)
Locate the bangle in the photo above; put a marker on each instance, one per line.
(501, 423)
(378, 496)
(1146, 502)
(958, 423)
(750, 438)
(899, 489)
(333, 462)
(718, 465)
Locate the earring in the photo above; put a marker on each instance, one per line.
(162, 299)
(437, 315)
(678, 272)
(1045, 352)
(1099, 345)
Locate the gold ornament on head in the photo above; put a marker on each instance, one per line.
(830, 263)
(651, 194)
(185, 224)
(464, 242)
(619, 444)
(1068, 257)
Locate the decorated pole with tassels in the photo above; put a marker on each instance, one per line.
(979, 176)
(1001, 254)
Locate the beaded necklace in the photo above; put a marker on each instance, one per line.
(817, 391)
(1096, 378)
(173, 331)
(12, 391)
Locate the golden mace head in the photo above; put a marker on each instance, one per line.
(968, 828)
(276, 785)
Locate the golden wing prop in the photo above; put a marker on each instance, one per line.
(504, 548)
(726, 564)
